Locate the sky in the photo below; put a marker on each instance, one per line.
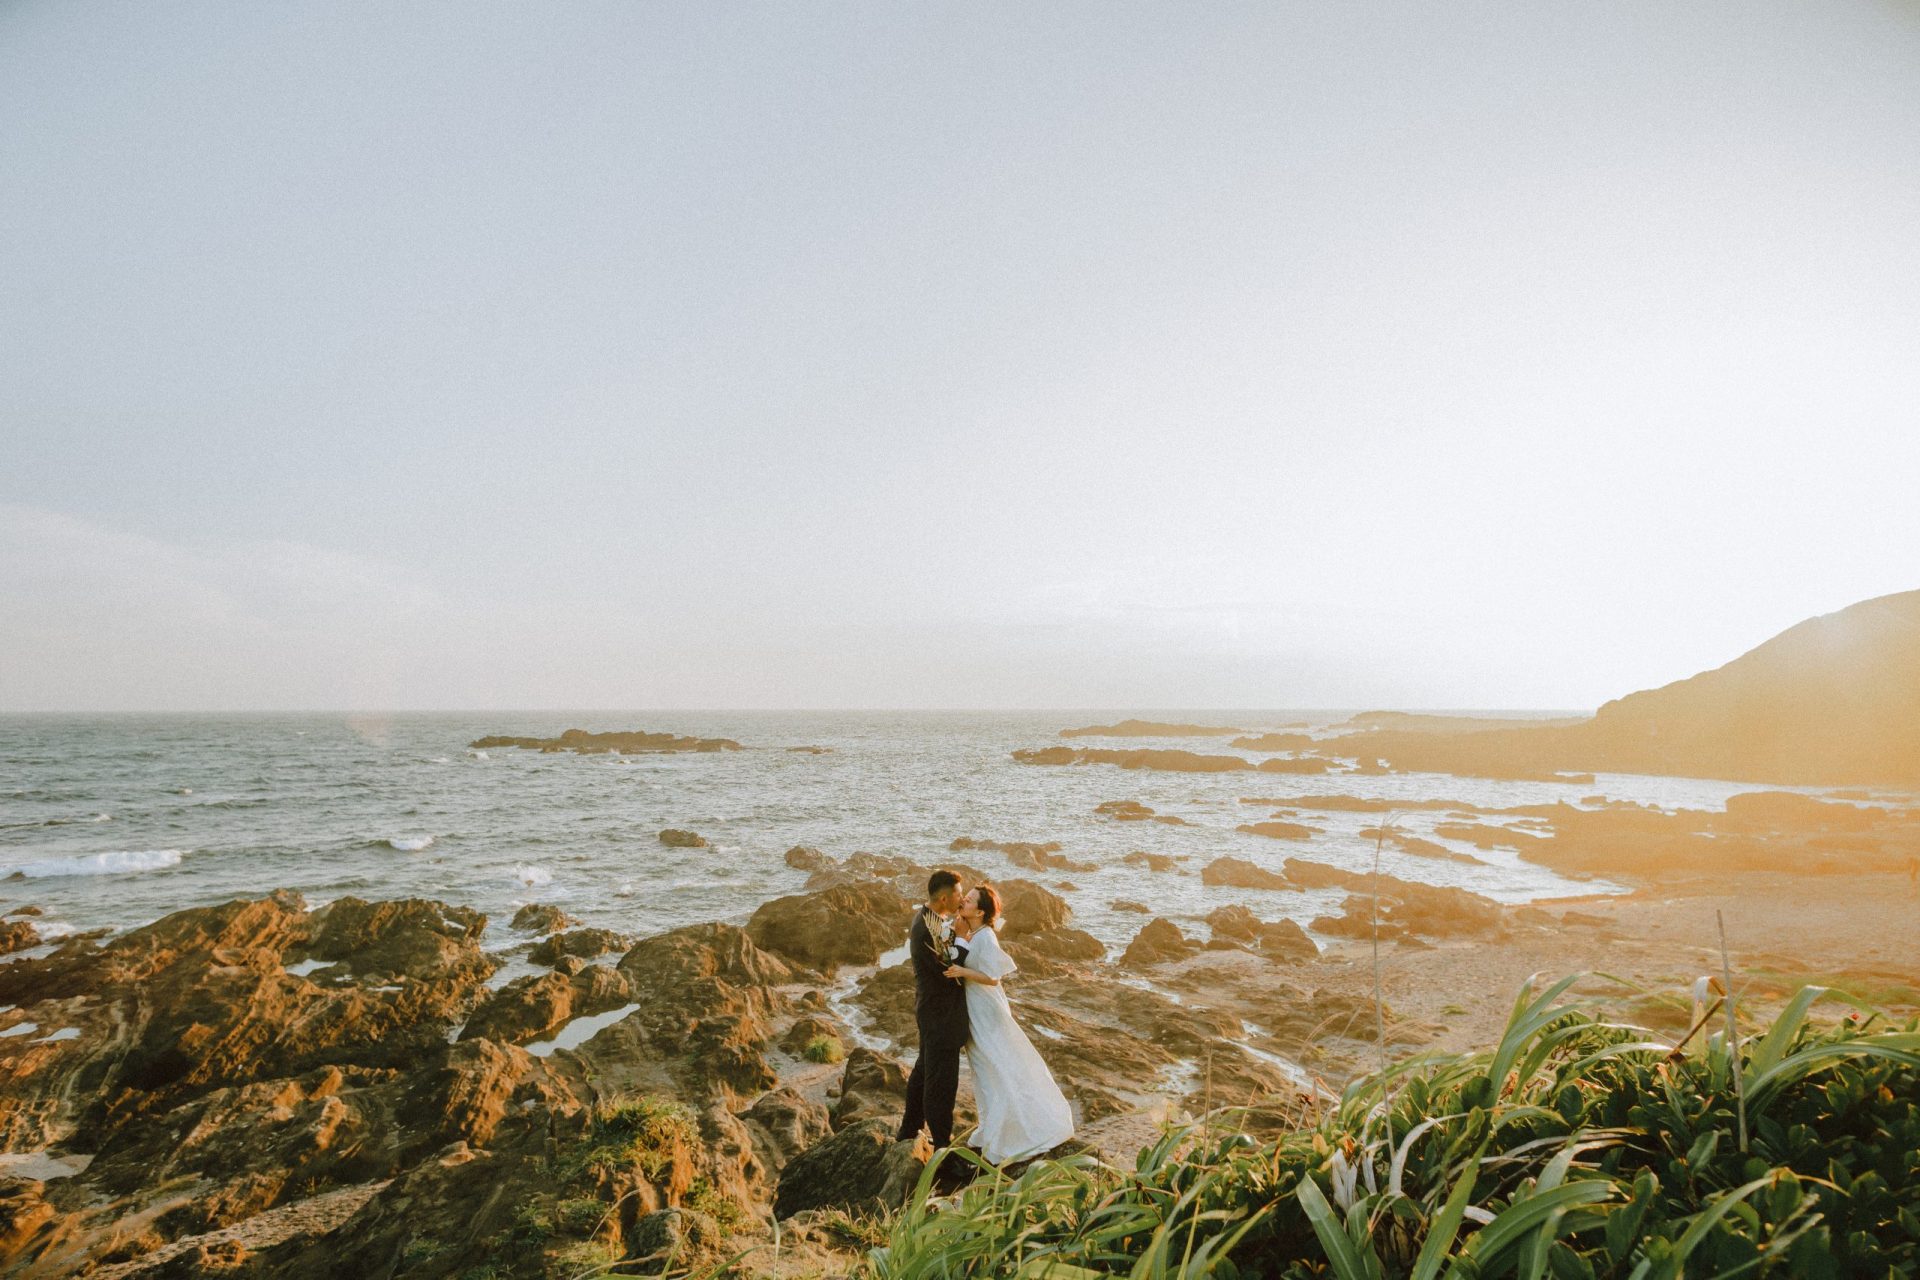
(957, 355)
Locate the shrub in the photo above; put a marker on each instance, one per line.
(824, 1049)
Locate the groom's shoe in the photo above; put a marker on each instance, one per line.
(954, 1173)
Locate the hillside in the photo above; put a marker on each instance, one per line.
(1832, 701)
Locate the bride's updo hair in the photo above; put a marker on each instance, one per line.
(989, 902)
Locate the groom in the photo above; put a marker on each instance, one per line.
(940, 1007)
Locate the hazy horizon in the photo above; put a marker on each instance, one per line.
(973, 357)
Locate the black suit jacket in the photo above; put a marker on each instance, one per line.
(939, 1002)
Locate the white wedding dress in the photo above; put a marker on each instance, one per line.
(1022, 1111)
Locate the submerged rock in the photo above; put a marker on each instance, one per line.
(538, 917)
(629, 742)
(1238, 873)
(583, 943)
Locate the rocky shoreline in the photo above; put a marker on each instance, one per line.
(406, 1088)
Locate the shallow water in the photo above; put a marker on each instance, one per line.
(117, 820)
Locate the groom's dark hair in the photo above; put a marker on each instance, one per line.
(941, 881)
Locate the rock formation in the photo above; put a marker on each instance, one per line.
(630, 742)
(1150, 729)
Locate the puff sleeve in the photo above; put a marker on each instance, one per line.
(987, 956)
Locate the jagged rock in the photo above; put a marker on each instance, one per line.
(1158, 942)
(584, 943)
(859, 1169)
(1405, 906)
(845, 924)
(784, 1123)
(1234, 922)
(17, 935)
(676, 838)
(872, 1085)
(538, 917)
(707, 994)
(1151, 861)
(1030, 908)
(804, 857)
(1238, 873)
(1063, 943)
(1277, 940)
(535, 1007)
(1286, 941)
(1123, 904)
(201, 998)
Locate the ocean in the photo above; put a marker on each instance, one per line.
(115, 820)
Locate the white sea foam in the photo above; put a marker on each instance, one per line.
(532, 876)
(103, 864)
(410, 844)
(51, 929)
(306, 967)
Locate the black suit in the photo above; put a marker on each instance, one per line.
(940, 1007)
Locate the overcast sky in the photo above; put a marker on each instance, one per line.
(946, 355)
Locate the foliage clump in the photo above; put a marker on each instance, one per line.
(649, 1133)
(824, 1049)
(1574, 1148)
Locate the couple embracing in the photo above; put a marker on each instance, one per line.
(958, 965)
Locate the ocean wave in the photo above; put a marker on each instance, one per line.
(409, 844)
(531, 875)
(102, 864)
(57, 822)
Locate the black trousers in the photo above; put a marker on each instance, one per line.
(932, 1086)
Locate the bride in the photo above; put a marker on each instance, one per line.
(1022, 1112)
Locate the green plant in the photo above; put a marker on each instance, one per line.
(1572, 1147)
(824, 1049)
(421, 1250)
(580, 1216)
(532, 1224)
(647, 1131)
(704, 1197)
(582, 1258)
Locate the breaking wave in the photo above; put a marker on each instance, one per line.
(102, 864)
